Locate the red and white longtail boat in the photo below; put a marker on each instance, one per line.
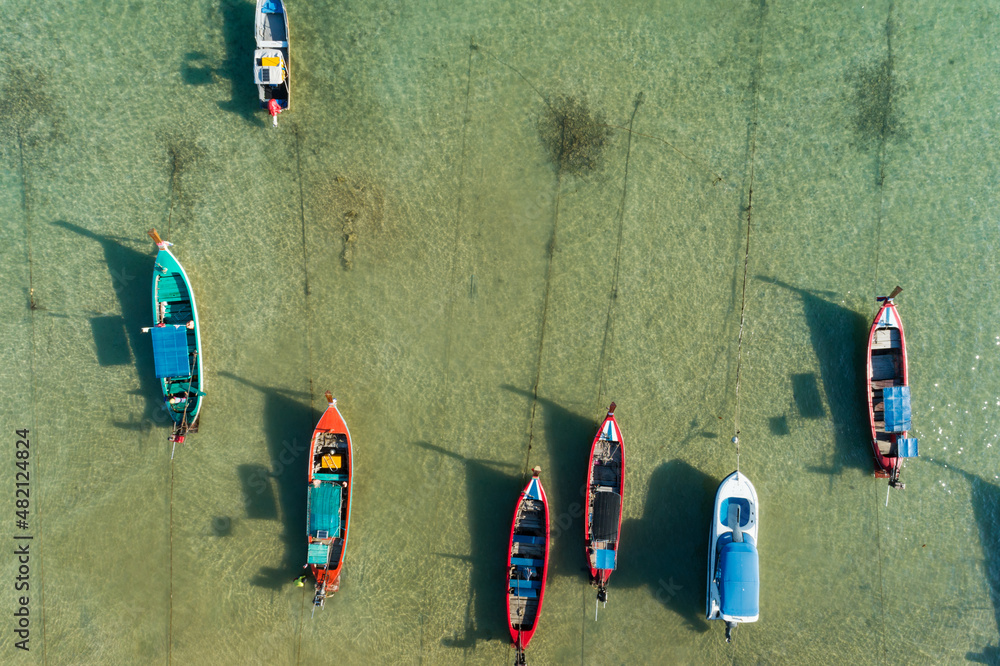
(605, 489)
(889, 392)
(527, 563)
(331, 475)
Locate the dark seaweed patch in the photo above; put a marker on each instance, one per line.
(573, 135)
(358, 204)
(183, 154)
(876, 92)
(27, 112)
(197, 70)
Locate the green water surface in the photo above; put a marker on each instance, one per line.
(419, 237)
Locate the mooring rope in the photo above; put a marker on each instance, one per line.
(609, 324)
(883, 148)
(170, 565)
(743, 305)
(739, 343)
(306, 306)
(754, 84)
(32, 306)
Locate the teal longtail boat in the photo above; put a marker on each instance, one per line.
(176, 342)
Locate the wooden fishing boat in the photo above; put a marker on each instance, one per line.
(176, 339)
(889, 392)
(270, 59)
(527, 563)
(733, 567)
(331, 472)
(605, 490)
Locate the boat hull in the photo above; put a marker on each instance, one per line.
(736, 490)
(605, 496)
(527, 563)
(886, 365)
(273, 79)
(331, 457)
(174, 305)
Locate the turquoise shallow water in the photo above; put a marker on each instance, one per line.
(406, 239)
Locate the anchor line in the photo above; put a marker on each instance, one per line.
(170, 570)
(754, 85)
(452, 296)
(31, 322)
(516, 71)
(308, 312)
(743, 306)
(545, 316)
(173, 186)
(883, 149)
(609, 327)
(305, 260)
(716, 176)
(881, 587)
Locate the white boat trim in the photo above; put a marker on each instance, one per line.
(739, 486)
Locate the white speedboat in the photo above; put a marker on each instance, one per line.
(733, 571)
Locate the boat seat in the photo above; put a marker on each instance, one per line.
(524, 592)
(318, 553)
(517, 582)
(734, 522)
(887, 338)
(744, 505)
(524, 538)
(331, 462)
(330, 477)
(883, 367)
(526, 562)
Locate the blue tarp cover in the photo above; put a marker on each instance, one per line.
(739, 587)
(324, 509)
(170, 351)
(897, 408)
(605, 559)
(318, 552)
(906, 447)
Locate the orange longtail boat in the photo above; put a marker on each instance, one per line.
(331, 472)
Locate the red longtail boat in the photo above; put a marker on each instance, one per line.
(527, 564)
(331, 473)
(605, 489)
(889, 392)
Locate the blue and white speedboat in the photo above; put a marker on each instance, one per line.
(733, 571)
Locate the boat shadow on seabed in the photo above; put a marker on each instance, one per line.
(288, 426)
(985, 509)
(489, 488)
(665, 550)
(131, 275)
(568, 437)
(839, 337)
(238, 30)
